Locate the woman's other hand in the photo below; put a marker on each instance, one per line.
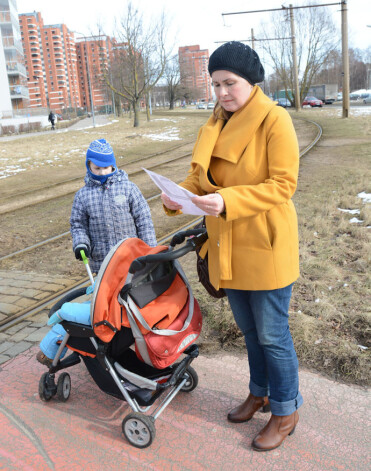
(212, 204)
(169, 203)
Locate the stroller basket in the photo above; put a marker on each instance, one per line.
(143, 318)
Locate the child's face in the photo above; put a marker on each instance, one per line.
(100, 170)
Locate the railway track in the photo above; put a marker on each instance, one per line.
(76, 183)
(6, 323)
(80, 177)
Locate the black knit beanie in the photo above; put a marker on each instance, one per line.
(238, 58)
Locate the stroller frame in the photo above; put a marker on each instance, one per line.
(139, 392)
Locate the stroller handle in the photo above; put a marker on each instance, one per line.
(199, 237)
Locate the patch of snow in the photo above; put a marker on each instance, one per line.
(11, 170)
(366, 197)
(350, 211)
(355, 221)
(167, 135)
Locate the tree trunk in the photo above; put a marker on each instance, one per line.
(136, 113)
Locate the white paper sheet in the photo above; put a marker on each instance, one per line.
(176, 193)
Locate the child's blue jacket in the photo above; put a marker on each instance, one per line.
(104, 214)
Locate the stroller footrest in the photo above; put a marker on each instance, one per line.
(78, 330)
(70, 360)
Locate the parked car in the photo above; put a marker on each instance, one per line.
(210, 106)
(312, 101)
(284, 102)
(201, 106)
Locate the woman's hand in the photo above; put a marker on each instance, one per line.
(169, 203)
(212, 204)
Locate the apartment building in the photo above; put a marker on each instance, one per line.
(193, 71)
(51, 63)
(93, 55)
(13, 77)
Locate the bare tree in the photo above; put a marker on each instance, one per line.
(138, 60)
(316, 37)
(172, 79)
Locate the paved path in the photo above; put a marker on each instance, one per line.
(100, 120)
(19, 292)
(192, 434)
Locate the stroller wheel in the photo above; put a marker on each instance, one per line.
(64, 387)
(44, 391)
(192, 380)
(139, 429)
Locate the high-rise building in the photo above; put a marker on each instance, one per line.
(193, 71)
(93, 54)
(51, 63)
(12, 54)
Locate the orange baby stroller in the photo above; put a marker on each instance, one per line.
(143, 318)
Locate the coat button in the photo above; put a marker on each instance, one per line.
(217, 243)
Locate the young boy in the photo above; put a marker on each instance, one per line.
(107, 209)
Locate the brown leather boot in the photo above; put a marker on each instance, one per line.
(276, 430)
(43, 359)
(247, 409)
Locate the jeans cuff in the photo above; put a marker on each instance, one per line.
(258, 391)
(287, 407)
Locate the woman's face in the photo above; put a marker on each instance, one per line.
(231, 90)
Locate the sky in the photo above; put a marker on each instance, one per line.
(192, 21)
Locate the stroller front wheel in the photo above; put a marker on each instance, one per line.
(192, 380)
(64, 387)
(139, 429)
(45, 392)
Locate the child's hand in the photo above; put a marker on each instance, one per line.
(55, 319)
(83, 247)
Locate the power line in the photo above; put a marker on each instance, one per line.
(344, 37)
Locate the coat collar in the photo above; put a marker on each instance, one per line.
(230, 141)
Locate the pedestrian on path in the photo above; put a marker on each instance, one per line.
(108, 208)
(51, 119)
(244, 169)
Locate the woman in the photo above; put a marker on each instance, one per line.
(244, 169)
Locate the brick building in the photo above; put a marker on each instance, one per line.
(51, 63)
(93, 53)
(193, 71)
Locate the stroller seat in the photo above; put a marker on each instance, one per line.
(143, 318)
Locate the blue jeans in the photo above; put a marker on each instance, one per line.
(262, 316)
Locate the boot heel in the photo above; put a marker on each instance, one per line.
(292, 431)
(266, 408)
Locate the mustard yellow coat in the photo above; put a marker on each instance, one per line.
(254, 161)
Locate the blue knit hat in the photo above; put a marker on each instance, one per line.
(100, 153)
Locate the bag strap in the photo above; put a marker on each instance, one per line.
(134, 312)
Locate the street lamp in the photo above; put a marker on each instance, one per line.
(88, 76)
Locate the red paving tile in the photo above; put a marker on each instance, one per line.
(192, 434)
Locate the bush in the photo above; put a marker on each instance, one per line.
(10, 129)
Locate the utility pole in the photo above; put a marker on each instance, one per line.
(294, 60)
(252, 39)
(344, 29)
(344, 48)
